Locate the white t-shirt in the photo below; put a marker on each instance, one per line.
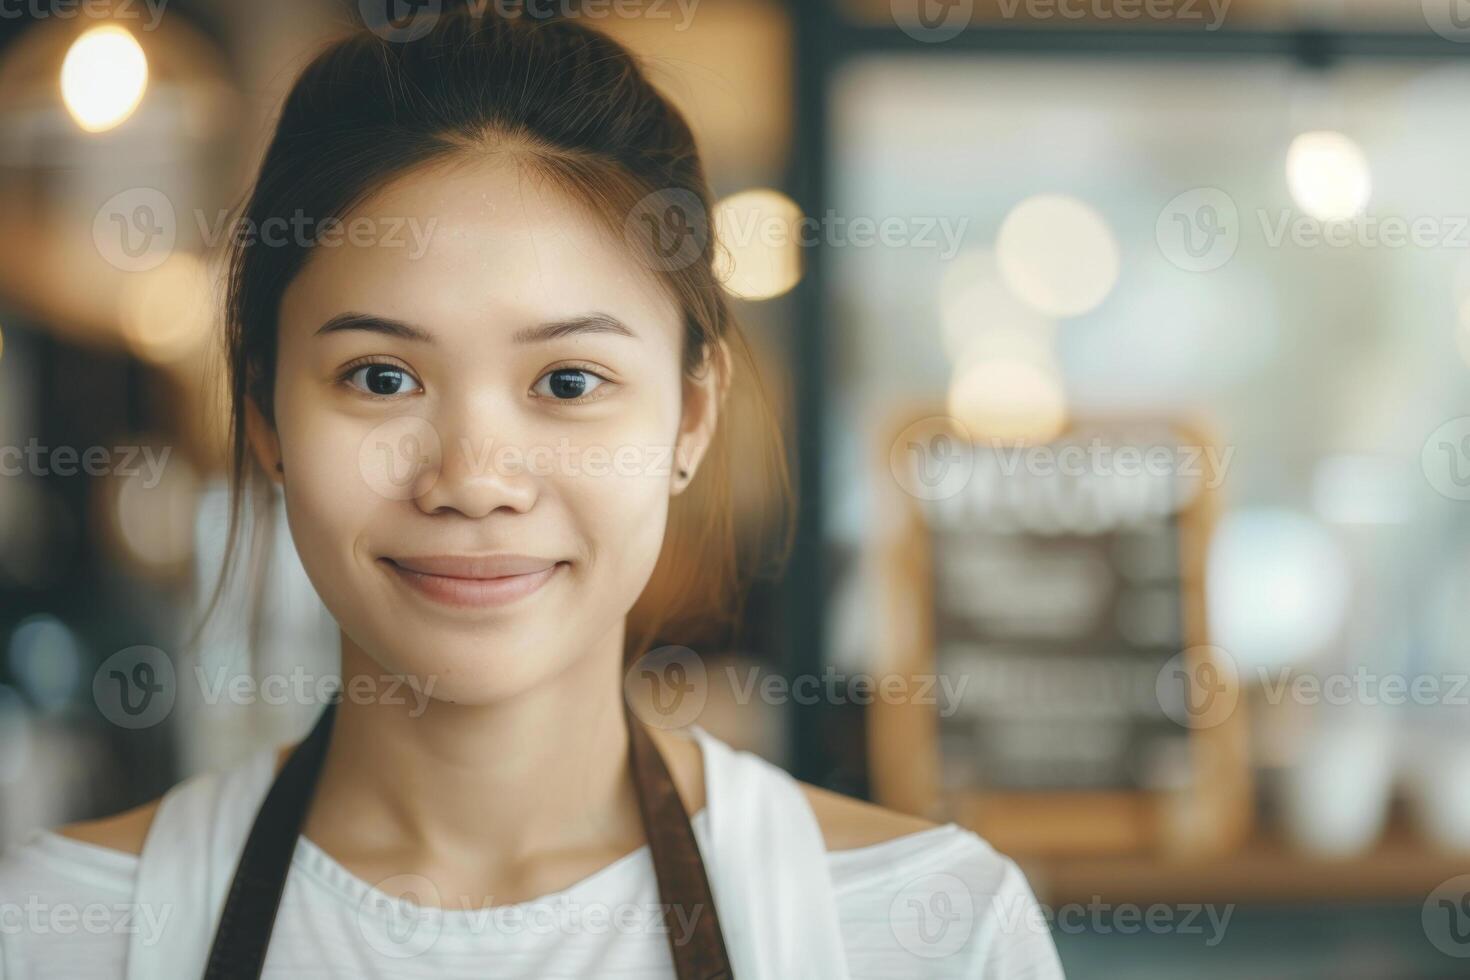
(937, 903)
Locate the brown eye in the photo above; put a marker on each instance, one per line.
(382, 379)
(568, 384)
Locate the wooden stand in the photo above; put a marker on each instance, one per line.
(1210, 816)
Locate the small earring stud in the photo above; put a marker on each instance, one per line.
(683, 473)
(280, 467)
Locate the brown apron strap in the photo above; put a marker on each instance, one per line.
(249, 914)
(683, 886)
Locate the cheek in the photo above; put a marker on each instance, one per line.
(617, 490)
(328, 502)
(621, 515)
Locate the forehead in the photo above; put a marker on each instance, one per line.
(475, 243)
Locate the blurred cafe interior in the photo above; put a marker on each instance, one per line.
(1123, 354)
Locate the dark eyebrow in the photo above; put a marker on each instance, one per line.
(589, 323)
(375, 324)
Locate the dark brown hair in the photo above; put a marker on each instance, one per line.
(575, 106)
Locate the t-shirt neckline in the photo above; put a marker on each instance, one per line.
(609, 884)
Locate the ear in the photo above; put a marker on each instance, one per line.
(263, 440)
(704, 399)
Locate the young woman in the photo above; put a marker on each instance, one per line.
(528, 822)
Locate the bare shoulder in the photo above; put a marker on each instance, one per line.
(847, 822)
(123, 831)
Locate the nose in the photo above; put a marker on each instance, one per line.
(482, 465)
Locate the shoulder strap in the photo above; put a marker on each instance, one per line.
(768, 862)
(245, 924)
(677, 864)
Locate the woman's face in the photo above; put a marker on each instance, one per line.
(508, 383)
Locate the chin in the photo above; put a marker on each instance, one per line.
(457, 669)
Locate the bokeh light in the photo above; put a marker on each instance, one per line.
(1058, 254)
(103, 77)
(1328, 175)
(45, 658)
(1008, 400)
(758, 232)
(166, 312)
(979, 315)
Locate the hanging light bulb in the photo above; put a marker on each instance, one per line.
(1328, 175)
(103, 77)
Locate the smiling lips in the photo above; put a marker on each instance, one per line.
(474, 580)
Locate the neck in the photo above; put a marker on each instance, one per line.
(541, 773)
